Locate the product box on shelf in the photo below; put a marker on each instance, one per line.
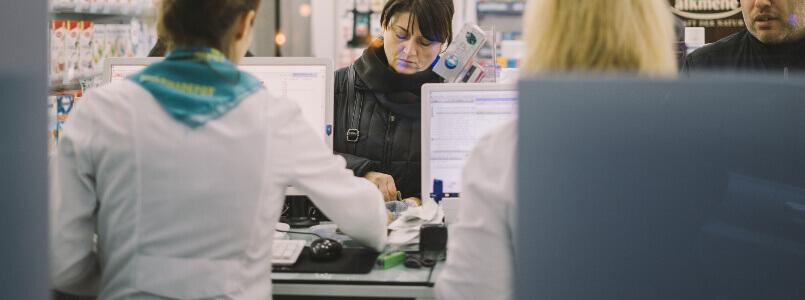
(53, 124)
(374, 25)
(71, 46)
(377, 5)
(85, 47)
(122, 40)
(64, 104)
(98, 47)
(58, 58)
(152, 38)
(133, 37)
(146, 38)
(65, 101)
(347, 24)
(111, 41)
(363, 6)
(143, 45)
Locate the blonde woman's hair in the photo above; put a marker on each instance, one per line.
(600, 36)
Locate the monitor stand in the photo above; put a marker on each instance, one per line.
(297, 216)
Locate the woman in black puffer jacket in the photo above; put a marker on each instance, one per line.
(377, 98)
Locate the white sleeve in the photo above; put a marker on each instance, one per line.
(74, 266)
(354, 203)
(479, 251)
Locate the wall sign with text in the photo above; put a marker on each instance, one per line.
(720, 18)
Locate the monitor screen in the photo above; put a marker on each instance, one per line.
(120, 72)
(301, 82)
(457, 116)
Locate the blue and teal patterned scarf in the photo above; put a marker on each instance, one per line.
(196, 84)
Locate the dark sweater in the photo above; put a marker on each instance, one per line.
(743, 52)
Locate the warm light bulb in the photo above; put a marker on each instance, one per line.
(304, 10)
(280, 38)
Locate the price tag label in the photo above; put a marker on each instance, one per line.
(93, 8)
(107, 9)
(78, 7)
(139, 10)
(125, 9)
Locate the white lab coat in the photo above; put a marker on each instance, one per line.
(480, 255)
(189, 213)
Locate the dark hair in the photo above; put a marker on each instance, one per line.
(202, 22)
(435, 17)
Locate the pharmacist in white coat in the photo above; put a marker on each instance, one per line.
(480, 259)
(480, 253)
(181, 172)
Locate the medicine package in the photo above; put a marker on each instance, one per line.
(459, 54)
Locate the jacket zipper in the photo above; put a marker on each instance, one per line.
(387, 151)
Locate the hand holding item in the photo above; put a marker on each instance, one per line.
(413, 201)
(385, 183)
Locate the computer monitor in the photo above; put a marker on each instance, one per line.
(669, 189)
(454, 116)
(308, 80)
(118, 68)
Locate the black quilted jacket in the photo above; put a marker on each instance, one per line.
(388, 119)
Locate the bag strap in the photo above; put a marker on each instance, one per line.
(355, 112)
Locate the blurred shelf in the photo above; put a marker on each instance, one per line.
(64, 81)
(101, 9)
(500, 8)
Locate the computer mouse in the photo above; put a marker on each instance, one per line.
(325, 250)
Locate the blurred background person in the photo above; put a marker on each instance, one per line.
(772, 42)
(632, 37)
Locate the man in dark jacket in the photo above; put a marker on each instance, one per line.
(773, 41)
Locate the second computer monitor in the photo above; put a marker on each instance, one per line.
(307, 80)
(454, 117)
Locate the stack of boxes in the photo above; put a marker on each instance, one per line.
(59, 106)
(78, 48)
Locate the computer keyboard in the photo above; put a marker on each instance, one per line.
(286, 252)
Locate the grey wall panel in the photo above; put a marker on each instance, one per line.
(661, 189)
(23, 150)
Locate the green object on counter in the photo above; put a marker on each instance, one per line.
(399, 196)
(390, 259)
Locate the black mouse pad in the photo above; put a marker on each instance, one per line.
(352, 261)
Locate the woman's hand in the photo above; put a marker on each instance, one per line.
(390, 216)
(385, 183)
(414, 199)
